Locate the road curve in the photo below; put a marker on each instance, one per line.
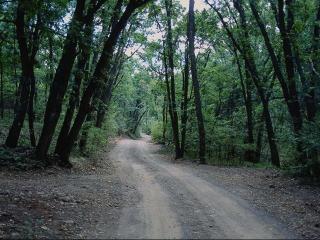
(176, 203)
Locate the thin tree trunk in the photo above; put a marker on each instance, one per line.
(31, 114)
(196, 85)
(51, 66)
(34, 47)
(1, 85)
(15, 78)
(164, 119)
(174, 114)
(185, 100)
(14, 132)
(259, 140)
(249, 154)
(270, 134)
(165, 64)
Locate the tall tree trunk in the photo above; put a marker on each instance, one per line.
(104, 95)
(51, 66)
(196, 85)
(60, 82)
(1, 84)
(15, 79)
(34, 47)
(185, 100)
(113, 76)
(73, 102)
(164, 119)
(75, 93)
(31, 114)
(270, 134)
(259, 140)
(14, 132)
(249, 154)
(174, 114)
(98, 76)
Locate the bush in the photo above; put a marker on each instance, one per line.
(156, 131)
(97, 138)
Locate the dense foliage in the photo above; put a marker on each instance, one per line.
(234, 82)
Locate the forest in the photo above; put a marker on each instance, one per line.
(159, 119)
(228, 82)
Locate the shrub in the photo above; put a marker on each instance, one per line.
(156, 131)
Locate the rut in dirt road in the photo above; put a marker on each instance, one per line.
(175, 203)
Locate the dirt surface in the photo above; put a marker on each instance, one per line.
(135, 191)
(58, 203)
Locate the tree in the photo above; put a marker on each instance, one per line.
(61, 78)
(234, 82)
(85, 47)
(185, 101)
(98, 76)
(171, 88)
(289, 87)
(196, 85)
(248, 57)
(28, 51)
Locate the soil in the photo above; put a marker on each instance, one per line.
(137, 191)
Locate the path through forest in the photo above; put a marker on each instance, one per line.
(137, 190)
(176, 203)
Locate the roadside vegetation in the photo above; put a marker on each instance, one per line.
(224, 82)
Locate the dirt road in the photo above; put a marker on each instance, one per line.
(174, 202)
(137, 191)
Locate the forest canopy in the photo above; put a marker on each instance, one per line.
(225, 82)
